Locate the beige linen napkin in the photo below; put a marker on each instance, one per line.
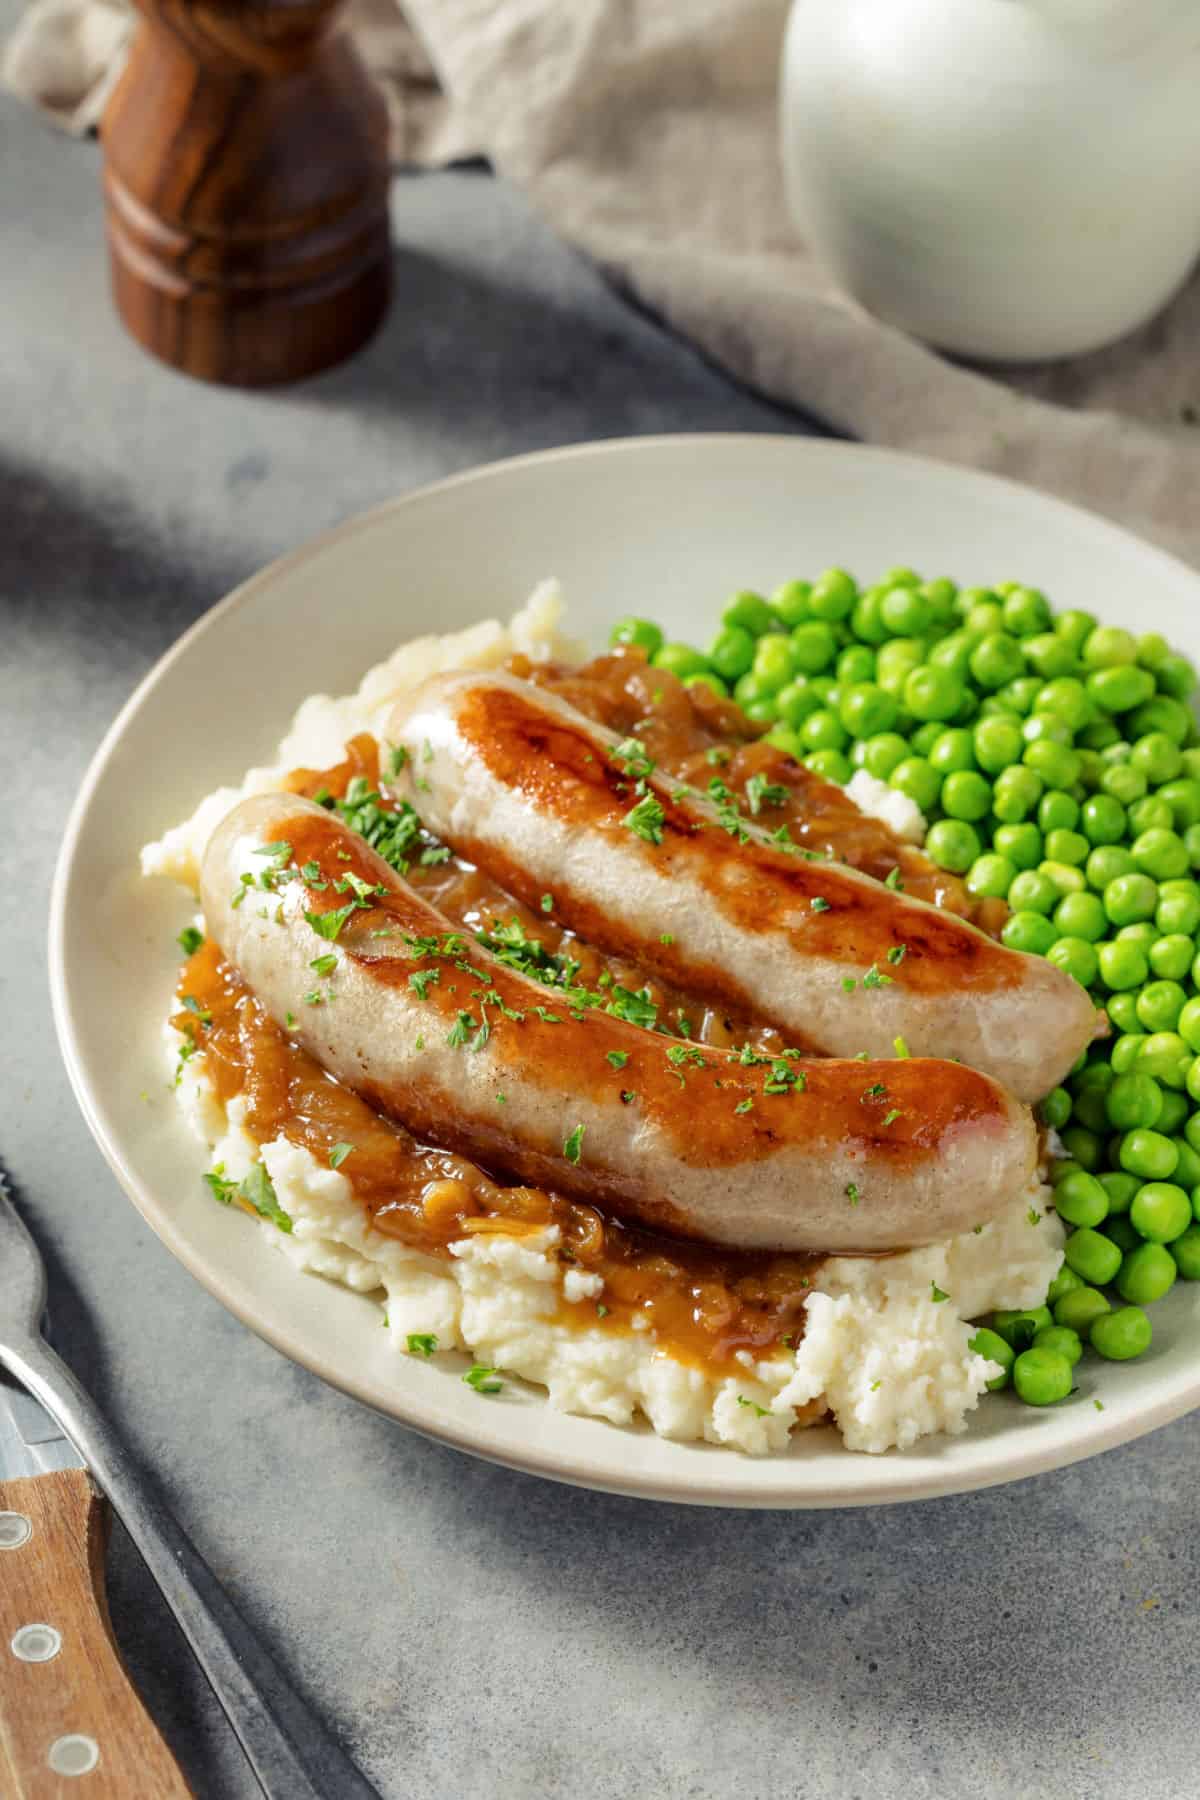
(645, 130)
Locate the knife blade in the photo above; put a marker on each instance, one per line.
(30, 1441)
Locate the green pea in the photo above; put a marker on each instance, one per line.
(1046, 728)
(925, 737)
(865, 620)
(953, 844)
(991, 876)
(763, 712)
(1084, 1146)
(1103, 819)
(1121, 1335)
(895, 662)
(1097, 736)
(1160, 1004)
(1157, 756)
(1119, 690)
(832, 595)
(1081, 916)
(865, 709)
(1187, 1169)
(1017, 1326)
(1031, 891)
(1019, 695)
(883, 753)
(1175, 1111)
(1122, 1010)
(1026, 611)
(1055, 763)
(640, 632)
(991, 1345)
(907, 613)
(1165, 1056)
(731, 652)
(952, 751)
(1119, 1188)
(1062, 1340)
(1126, 1050)
(1185, 1253)
(1093, 1256)
(1142, 931)
(1161, 714)
(1108, 647)
(1134, 1100)
(774, 660)
(831, 764)
(1049, 654)
(932, 693)
(1183, 797)
(707, 679)
(1176, 676)
(857, 662)
(1130, 897)
(797, 701)
(1122, 965)
(953, 653)
(782, 736)
(1057, 812)
(966, 795)
(1075, 957)
(1079, 1308)
(1161, 854)
(813, 647)
(997, 743)
(749, 611)
(985, 619)
(1147, 1273)
(1067, 698)
(679, 659)
(1171, 956)
(1068, 847)
(1105, 863)
(790, 605)
(1029, 932)
(1161, 1211)
(1022, 844)
(1091, 1072)
(1065, 1282)
(1147, 1153)
(1124, 783)
(916, 778)
(1055, 1109)
(823, 731)
(1017, 792)
(1080, 1199)
(997, 659)
(1150, 814)
(1042, 1377)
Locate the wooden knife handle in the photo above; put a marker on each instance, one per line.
(71, 1723)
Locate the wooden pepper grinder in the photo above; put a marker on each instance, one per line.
(246, 189)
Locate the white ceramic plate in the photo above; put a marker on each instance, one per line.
(665, 527)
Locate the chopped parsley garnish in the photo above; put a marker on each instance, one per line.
(936, 1294)
(852, 1193)
(193, 1006)
(874, 978)
(744, 1106)
(897, 953)
(573, 1146)
(889, 1118)
(338, 1155)
(314, 997)
(324, 965)
(783, 1079)
(190, 940)
(635, 1009)
(280, 852)
(900, 1046)
(289, 1019)
(426, 751)
(259, 1190)
(894, 882)
(729, 817)
(686, 1053)
(819, 904)
(437, 853)
(875, 1386)
(601, 1310)
(311, 872)
(461, 1029)
(482, 1379)
(547, 1017)
(329, 925)
(421, 1343)
(848, 984)
(221, 1188)
(395, 833)
(628, 1095)
(760, 792)
(645, 819)
(547, 903)
(759, 1412)
(618, 1058)
(876, 1091)
(666, 937)
(421, 980)
(397, 757)
(716, 757)
(630, 755)
(1034, 1216)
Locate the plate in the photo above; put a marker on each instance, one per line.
(667, 527)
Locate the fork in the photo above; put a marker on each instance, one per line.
(291, 1754)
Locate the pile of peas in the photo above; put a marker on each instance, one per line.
(1058, 765)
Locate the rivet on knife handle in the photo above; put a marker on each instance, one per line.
(67, 1707)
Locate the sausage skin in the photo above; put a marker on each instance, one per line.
(542, 798)
(785, 1153)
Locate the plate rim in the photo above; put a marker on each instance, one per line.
(569, 1467)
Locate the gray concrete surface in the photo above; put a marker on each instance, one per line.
(470, 1632)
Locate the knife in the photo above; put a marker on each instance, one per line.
(51, 1578)
(67, 1706)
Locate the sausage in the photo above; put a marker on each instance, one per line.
(545, 800)
(769, 1153)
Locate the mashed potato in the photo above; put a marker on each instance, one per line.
(886, 1350)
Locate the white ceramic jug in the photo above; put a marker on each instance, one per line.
(1013, 179)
